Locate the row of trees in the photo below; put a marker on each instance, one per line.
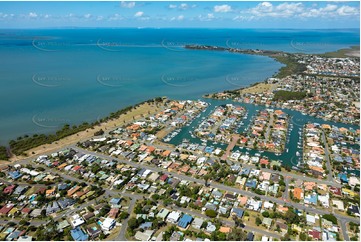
(287, 95)
(3, 153)
(22, 144)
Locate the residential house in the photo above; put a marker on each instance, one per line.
(78, 234)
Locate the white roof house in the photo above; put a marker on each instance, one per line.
(339, 204)
(144, 236)
(268, 205)
(108, 224)
(197, 223)
(163, 213)
(76, 220)
(310, 219)
(173, 217)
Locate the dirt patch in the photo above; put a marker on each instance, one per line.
(258, 88)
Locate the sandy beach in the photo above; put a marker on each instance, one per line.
(86, 134)
(353, 53)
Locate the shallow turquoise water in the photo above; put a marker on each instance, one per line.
(53, 77)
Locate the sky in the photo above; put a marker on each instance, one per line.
(183, 14)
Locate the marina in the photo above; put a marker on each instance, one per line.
(291, 156)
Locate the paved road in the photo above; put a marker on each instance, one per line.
(295, 176)
(286, 193)
(327, 155)
(223, 187)
(121, 236)
(344, 230)
(269, 124)
(230, 223)
(34, 223)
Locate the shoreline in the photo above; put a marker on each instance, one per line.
(258, 87)
(265, 86)
(139, 110)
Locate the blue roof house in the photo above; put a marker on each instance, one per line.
(15, 174)
(115, 201)
(251, 183)
(343, 177)
(78, 235)
(238, 212)
(245, 171)
(185, 220)
(312, 198)
(146, 225)
(208, 149)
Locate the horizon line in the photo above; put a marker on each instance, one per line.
(142, 27)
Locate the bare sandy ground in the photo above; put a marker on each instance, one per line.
(353, 53)
(138, 112)
(258, 88)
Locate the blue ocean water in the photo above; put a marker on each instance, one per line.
(52, 77)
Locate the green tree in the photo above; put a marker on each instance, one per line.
(237, 234)
(211, 213)
(258, 221)
(132, 223)
(303, 236)
(90, 209)
(330, 217)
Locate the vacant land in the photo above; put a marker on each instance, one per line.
(354, 51)
(258, 88)
(135, 113)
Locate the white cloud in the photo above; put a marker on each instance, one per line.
(33, 15)
(99, 18)
(281, 10)
(347, 10)
(179, 18)
(222, 8)
(124, 4)
(88, 15)
(330, 10)
(330, 7)
(139, 14)
(243, 18)
(208, 17)
(115, 17)
(182, 6)
(298, 10)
